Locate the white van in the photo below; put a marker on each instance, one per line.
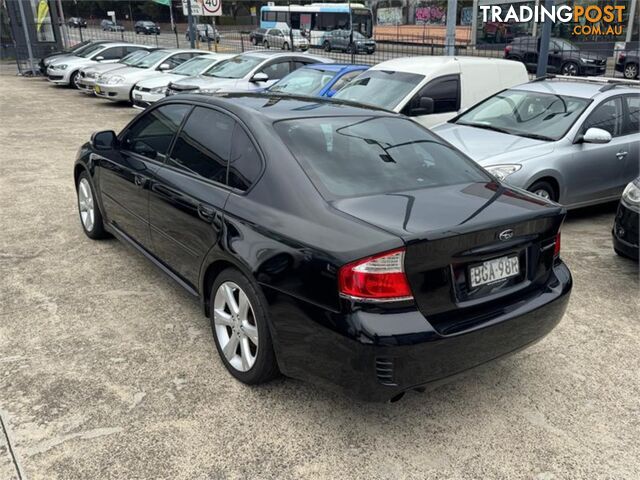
(432, 90)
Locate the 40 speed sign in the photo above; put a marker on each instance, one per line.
(212, 7)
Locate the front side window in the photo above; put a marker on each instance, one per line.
(277, 70)
(543, 116)
(204, 145)
(113, 53)
(356, 156)
(606, 116)
(632, 124)
(151, 135)
(445, 93)
(178, 59)
(381, 88)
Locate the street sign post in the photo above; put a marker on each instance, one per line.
(207, 8)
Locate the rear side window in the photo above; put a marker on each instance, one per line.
(151, 135)
(204, 144)
(355, 156)
(244, 162)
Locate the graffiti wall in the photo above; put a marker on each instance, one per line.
(431, 15)
(389, 16)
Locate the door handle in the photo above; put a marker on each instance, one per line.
(140, 180)
(621, 155)
(207, 213)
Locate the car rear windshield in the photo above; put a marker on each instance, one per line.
(236, 67)
(543, 116)
(356, 156)
(382, 88)
(304, 81)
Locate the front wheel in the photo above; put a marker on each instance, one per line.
(285, 46)
(570, 69)
(265, 44)
(545, 190)
(240, 328)
(90, 215)
(73, 79)
(631, 71)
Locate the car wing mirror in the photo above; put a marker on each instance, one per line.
(423, 106)
(164, 66)
(99, 58)
(104, 140)
(260, 77)
(596, 135)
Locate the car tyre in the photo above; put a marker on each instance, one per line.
(570, 69)
(285, 46)
(239, 322)
(73, 79)
(265, 44)
(545, 190)
(631, 71)
(326, 46)
(88, 209)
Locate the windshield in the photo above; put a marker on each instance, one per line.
(236, 67)
(151, 59)
(304, 81)
(90, 50)
(193, 66)
(381, 88)
(80, 47)
(134, 57)
(528, 114)
(355, 156)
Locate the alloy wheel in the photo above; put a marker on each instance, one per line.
(631, 71)
(235, 326)
(541, 192)
(85, 202)
(570, 69)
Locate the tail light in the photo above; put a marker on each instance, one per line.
(507, 49)
(556, 248)
(621, 56)
(380, 278)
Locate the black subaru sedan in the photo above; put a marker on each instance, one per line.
(333, 243)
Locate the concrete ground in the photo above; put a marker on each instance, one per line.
(108, 370)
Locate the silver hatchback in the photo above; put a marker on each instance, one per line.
(574, 142)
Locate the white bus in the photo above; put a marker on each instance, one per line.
(318, 18)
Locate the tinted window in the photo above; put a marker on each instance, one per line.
(151, 135)
(244, 162)
(607, 116)
(178, 59)
(281, 17)
(112, 53)
(632, 125)
(354, 156)
(278, 70)
(445, 93)
(202, 148)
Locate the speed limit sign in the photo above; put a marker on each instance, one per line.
(212, 7)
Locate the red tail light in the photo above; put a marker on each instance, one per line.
(556, 248)
(379, 278)
(507, 49)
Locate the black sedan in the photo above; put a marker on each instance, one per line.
(334, 243)
(626, 234)
(629, 64)
(146, 27)
(77, 22)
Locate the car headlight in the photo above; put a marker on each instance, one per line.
(587, 60)
(90, 74)
(501, 172)
(61, 67)
(631, 194)
(158, 90)
(115, 80)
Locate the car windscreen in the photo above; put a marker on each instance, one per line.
(134, 57)
(151, 59)
(236, 67)
(543, 116)
(356, 156)
(193, 66)
(304, 81)
(86, 53)
(382, 88)
(78, 48)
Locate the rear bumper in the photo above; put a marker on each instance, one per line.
(375, 356)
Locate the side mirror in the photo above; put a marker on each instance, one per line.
(104, 140)
(99, 58)
(424, 106)
(596, 135)
(164, 66)
(260, 77)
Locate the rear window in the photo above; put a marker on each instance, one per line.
(355, 156)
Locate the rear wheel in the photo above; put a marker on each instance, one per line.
(285, 46)
(631, 71)
(327, 46)
(545, 190)
(240, 329)
(265, 44)
(254, 40)
(570, 68)
(90, 216)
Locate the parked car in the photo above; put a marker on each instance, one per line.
(77, 22)
(627, 63)
(205, 33)
(249, 71)
(565, 57)
(149, 91)
(147, 27)
(118, 86)
(317, 80)
(111, 26)
(257, 36)
(279, 38)
(574, 142)
(74, 50)
(88, 75)
(65, 70)
(341, 40)
(626, 234)
(373, 276)
(431, 90)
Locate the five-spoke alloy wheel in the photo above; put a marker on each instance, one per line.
(90, 215)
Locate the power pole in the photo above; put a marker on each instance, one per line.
(450, 38)
(543, 42)
(192, 30)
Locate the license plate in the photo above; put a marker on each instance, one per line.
(494, 270)
(96, 89)
(137, 96)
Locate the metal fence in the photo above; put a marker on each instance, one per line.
(591, 60)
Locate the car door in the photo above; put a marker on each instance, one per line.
(631, 132)
(530, 53)
(596, 169)
(125, 173)
(189, 192)
(556, 56)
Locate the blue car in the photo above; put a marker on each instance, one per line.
(317, 80)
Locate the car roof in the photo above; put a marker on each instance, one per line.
(336, 67)
(281, 107)
(427, 64)
(181, 50)
(574, 88)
